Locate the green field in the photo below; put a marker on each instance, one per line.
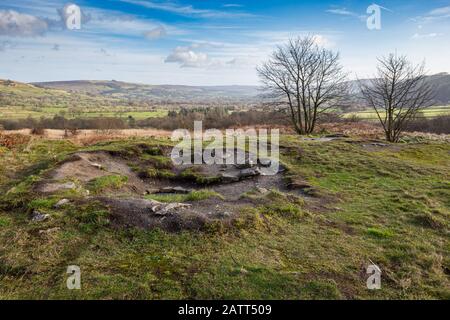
(389, 205)
(430, 112)
(19, 101)
(49, 112)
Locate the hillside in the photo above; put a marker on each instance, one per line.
(173, 93)
(440, 82)
(177, 93)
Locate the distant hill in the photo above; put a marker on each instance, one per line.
(173, 93)
(177, 93)
(439, 82)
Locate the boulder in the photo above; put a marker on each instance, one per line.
(38, 216)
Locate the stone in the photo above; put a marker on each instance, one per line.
(49, 231)
(179, 190)
(97, 165)
(336, 135)
(264, 162)
(61, 203)
(246, 173)
(166, 209)
(229, 177)
(262, 190)
(38, 216)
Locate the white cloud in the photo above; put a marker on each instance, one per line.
(15, 24)
(427, 35)
(187, 10)
(443, 11)
(187, 58)
(323, 41)
(156, 33)
(434, 15)
(345, 12)
(341, 11)
(232, 5)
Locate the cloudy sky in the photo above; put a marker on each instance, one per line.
(208, 42)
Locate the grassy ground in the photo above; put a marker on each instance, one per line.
(430, 112)
(389, 206)
(22, 113)
(19, 100)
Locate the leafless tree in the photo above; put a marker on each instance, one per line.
(306, 78)
(397, 93)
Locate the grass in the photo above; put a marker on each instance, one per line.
(107, 182)
(196, 195)
(19, 101)
(94, 112)
(430, 112)
(390, 207)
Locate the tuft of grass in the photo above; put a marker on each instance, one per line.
(196, 195)
(380, 233)
(5, 221)
(107, 182)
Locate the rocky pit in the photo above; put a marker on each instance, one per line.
(130, 204)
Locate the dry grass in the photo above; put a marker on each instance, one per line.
(89, 137)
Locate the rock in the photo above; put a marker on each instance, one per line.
(336, 135)
(264, 162)
(151, 191)
(246, 173)
(179, 190)
(248, 164)
(262, 190)
(97, 165)
(49, 231)
(229, 177)
(68, 185)
(164, 209)
(38, 216)
(61, 203)
(375, 144)
(243, 270)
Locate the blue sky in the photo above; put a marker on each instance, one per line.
(208, 42)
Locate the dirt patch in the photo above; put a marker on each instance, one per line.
(130, 204)
(83, 167)
(149, 214)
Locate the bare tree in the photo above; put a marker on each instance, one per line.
(397, 93)
(306, 78)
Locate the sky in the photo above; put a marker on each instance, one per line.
(209, 42)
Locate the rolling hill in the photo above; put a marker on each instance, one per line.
(172, 93)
